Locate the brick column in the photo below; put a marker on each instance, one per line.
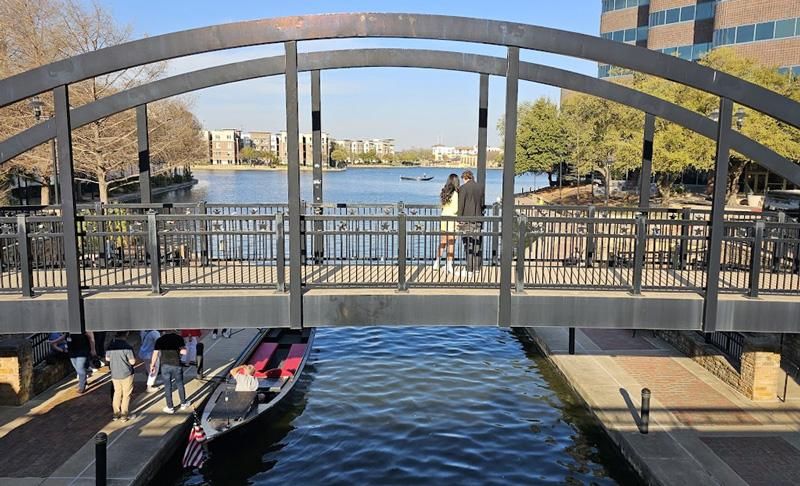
(16, 371)
(761, 362)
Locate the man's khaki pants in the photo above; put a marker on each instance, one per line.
(122, 395)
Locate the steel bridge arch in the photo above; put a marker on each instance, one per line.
(395, 25)
(289, 30)
(407, 58)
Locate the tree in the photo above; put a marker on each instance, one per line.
(37, 32)
(370, 157)
(601, 135)
(542, 138)
(339, 155)
(676, 149)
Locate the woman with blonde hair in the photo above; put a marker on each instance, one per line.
(449, 199)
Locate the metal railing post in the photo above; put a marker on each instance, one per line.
(280, 249)
(154, 252)
(591, 241)
(495, 233)
(522, 233)
(201, 210)
(101, 228)
(686, 215)
(638, 256)
(303, 235)
(777, 255)
(24, 248)
(402, 285)
(755, 259)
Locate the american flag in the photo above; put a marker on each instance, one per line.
(195, 454)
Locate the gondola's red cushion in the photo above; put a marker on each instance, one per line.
(263, 354)
(293, 360)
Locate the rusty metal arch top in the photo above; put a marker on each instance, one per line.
(395, 25)
(412, 58)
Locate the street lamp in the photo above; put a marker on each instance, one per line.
(739, 117)
(607, 176)
(36, 105)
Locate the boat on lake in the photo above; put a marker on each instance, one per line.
(423, 177)
(278, 356)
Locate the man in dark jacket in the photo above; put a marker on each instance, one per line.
(471, 200)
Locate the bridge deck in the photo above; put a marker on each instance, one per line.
(233, 274)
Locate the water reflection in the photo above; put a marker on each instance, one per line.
(420, 405)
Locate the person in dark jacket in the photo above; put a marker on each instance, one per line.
(471, 201)
(80, 347)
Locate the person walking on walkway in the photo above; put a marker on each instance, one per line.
(449, 199)
(471, 200)
(191, 337)
(120, 359)
(169, 349)
(80, 347)
(149, 339)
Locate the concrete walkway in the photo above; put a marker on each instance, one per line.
(51, 439)
(701, 431)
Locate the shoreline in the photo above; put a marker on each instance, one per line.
(305, 168)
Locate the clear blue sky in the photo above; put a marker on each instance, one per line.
(415, 107)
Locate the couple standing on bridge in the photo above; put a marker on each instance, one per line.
(464, 201)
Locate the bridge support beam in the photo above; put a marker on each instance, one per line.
(293, 174)
(647, 161)
(483, 122)
(507, 220)
(143, 137)
(717, 230)
(316, 128)
(66, 175)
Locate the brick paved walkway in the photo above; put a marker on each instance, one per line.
(701, 430)
(690, 399)
(761, 461)
(59, 426)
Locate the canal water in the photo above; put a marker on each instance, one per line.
(381, 406)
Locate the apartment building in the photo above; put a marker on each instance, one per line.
(767, 30)
(222, 146)
(383, 147)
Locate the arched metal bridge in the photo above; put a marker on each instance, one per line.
(322, 263)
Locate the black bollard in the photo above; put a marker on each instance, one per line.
(100, 442)
(571, 340)
(199, 359)
(644, 426)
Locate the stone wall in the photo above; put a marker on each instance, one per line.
(19, 379)
(755, 377)
(16, 371)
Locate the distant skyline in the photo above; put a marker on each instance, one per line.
(416, 107)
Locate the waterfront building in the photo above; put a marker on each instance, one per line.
(382, 147)
(766, 30)
(460, 155)
(222, 146)
(261, 141)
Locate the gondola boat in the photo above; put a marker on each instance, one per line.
(416, 178)
(279, 356)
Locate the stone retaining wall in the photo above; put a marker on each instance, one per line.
(20, 381)
(755, 377)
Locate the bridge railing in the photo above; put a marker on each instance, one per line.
(396, 246)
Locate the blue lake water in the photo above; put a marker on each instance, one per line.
(353, 185)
